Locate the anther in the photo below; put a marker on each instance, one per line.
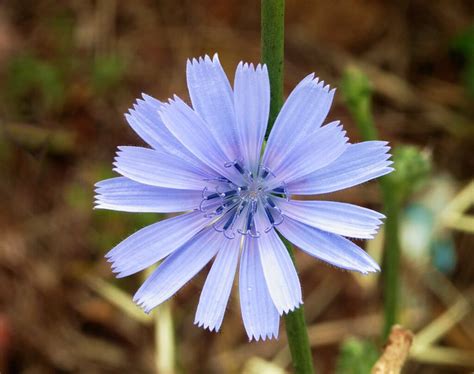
(228, 193)
(270, 201)
(265, 172)
(237, 164)
(239, 168)
(212, 196)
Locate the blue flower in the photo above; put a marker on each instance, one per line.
(207, 161)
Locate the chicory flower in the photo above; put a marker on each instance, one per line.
(207, 162)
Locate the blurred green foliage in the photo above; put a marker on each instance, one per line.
(34, 83)
(412, 169)
(57, 141)
(357, 92)
(412, 165)
(62, 25)
(38, 85)
(355, 84)
(107, 72)
(464, 45)
(356, 357)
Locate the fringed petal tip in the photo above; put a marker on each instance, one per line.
(262, 336)
(207, 326)
(375, 269)
(166, 106)
(245, 66)
(317, 83)
(118, 272)
(369, 268)
(142, 102)
(374, 213)
(149, 99)
(120, 150)
(100, 184)
(290, 308)
(98, 204)
(203, 59)
(116, 267)
(362, 270)
(120, 275)
(142, 304)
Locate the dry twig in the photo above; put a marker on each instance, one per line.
(395, 353)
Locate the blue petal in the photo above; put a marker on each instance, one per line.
(280, 274)
(191, 131)
(317, 150)
(305, 110)
(252, 104)
(339, 218)
(216, 291)
(212, 98)
(146, 121)
(153, 243)
(360, 163)
(261, 319)
(125, 195)
(178, 269)
(159, 169)
(331, 248)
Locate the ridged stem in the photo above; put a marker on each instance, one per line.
(273, 14)
(272, 41)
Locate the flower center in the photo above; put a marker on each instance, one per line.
(233, 208)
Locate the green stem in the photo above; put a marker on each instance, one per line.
(357, 92)
(273, 12)
(391, 258)
(297, 333)
(272, 40)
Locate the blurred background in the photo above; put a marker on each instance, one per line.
(69, 70)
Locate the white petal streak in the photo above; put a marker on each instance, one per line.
(315, 152)
(159, 169)
(218, 286)
(331, 248)
(261, 319)
(339, 218)
(125, 195)
(212, 99)
(178, 269)
(360, 163)
(280, 274)
(153, 243)
(305, 110)
(191, 131)
(252, 104)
